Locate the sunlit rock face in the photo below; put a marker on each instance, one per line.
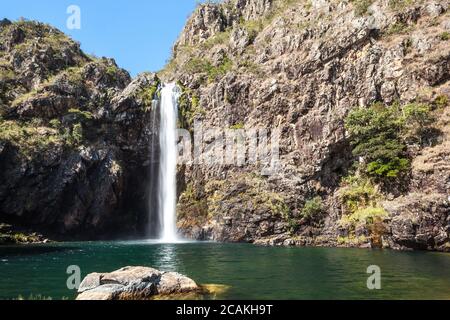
(301, 67)
(136, 283)
(77, 133)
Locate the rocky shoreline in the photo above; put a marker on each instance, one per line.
(13, 236)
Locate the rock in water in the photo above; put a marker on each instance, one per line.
(135, 283)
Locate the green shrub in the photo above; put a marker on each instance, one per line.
(218, 39)
(251, 67)
(77, 134)
(312, 208)
(253, 27)
(441, 101)
(389, 169)
(147, 95)
(82, 116)
(400, 4)
(445, 36)
(55, 124)
(398, 28)
(198, 65)
(188, 107)
(361, 6)
(380, 134)
(293, 226)
(416, 118)
(375, 136)
(358, 192)
(219, 71)
(112, 71)
(28, 137)
(365, 216)
(237, 126)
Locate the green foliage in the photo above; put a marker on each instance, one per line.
(445, 36)
(375, 137)
(237, 126)
(441, 101)
(112, 71)
(312, 208)
(388, 169)
(358, 192)
(379, 134)
(28, 137)
(400, 4)
(352, 240)
(360, 198)
(55, 124)
(416, 118)
(6, 73)
(293, 226)
(365, 216)
(254, 27)
(82, 116)
(398, 28)
(218, 39)
(188, 106)
(191, 207)
(74, 75)
(77, 134)
(198, 65)
(147, 95)
(361, 6)
(251, 67)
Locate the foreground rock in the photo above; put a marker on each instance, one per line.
(136, 283)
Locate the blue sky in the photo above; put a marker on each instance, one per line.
(138, 34)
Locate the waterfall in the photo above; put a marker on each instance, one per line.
(167, 190)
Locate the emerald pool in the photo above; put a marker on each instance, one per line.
(251, 272)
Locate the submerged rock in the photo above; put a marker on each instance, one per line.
(136, 283)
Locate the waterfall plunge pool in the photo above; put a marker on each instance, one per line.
(251, 272)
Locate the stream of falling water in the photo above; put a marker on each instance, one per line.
(167, 189)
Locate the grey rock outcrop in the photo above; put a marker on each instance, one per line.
(135, 283)
(301, 67)
(75, 137)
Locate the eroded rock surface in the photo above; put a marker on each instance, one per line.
(75, 133)
(135, 283)
(301, 67)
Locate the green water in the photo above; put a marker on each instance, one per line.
(251, 272)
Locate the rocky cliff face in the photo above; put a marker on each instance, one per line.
(74, 137)
(75, 130)
(301, 66)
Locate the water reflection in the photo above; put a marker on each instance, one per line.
(24, 250)
(166, 257)
(251, 272)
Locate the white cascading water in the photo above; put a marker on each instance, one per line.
(167, 188)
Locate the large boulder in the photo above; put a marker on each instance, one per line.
(135, 283)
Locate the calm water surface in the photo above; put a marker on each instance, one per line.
(251, 272)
